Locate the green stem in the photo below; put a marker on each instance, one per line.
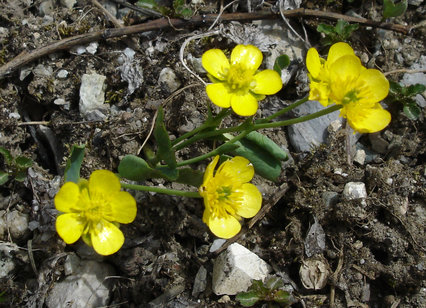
(298, 120)
(211, 122)
(172, 192)
(284, 110)
(215, 152)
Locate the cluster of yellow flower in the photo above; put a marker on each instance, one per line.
(93, 209)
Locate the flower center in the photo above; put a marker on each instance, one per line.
(350, 97)
(239, 78)
(94, 205)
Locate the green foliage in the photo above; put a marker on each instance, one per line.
(2, 298)
(180, 8)
(341, 32)
(281, 63)
(165, 151)
(390, 9)
(262, 152)
(14, 167)
(405, 96)
(269, 291)
(73, 166)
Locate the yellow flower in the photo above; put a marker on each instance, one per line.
(93, 209)
(342, 80)
(228, 196)
(237, 83)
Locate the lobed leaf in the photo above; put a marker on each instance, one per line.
(281, 62)
(412, 110)
(23, 162)
(390, 9)
(73, 166)
(6, 154)
(247, 299)
(4, 177)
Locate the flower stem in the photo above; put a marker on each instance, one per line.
(298, 120)
(284, 110)
(171, 192)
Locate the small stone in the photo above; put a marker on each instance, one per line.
(217, 243)
(314, 273)
(87, 288)
(92, 95)
(200, 281)
(6, 266)
(17, 223)
(92, 48)
(354, 190)
(360, 157)
(14, 115)
(224, 299)
(330, 198)
(71, 264)
(62, 74)
(235, 268)
(45, 8)
(68, 3)
(169, 79)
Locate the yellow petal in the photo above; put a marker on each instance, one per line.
(215, 63)
(367, 120)
(219, 94)
(248, 56)
(107, 238)
(238, 168)
(267, 82)
(319, 91)
(69, 227)
(337, 51)
(208, 174)
(252, 201)
(343, 76)
(224, 227)
(313, 63)
(373, 85)
(123, 208)
(244, 105)
(66, 200)
(104, 181)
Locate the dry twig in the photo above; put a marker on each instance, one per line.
(27, 57)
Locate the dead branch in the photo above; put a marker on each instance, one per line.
(161, 23)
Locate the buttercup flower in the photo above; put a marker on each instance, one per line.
(237, 83)
(93, 209)
(341, 79)
(228, 196)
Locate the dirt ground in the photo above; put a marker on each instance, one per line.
(374, 247)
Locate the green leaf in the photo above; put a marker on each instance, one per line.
(166, 172)
(282, 297)
(227, 148)
(4, 177)
(135, 168)
(395, 87)
(412, 110)
(23, 162)
(264, 164)
(326, 29)
(274, 283)
(165, 151)
(6, 154)
(415, 89)
(281, 63)
(340, 26)
(21, 175)
(190, 177)
(347, 31)
(247, 299)
(267, 144)
(390, 9)
(72, 169)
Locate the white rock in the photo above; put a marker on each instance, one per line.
(130, 70)
(92, 95)
(235, 268)
(17, 223)
(354, 190)
(217, 243)
(360, 157)
(68, 3)
(6, 266)
(92, 48)
(45, 8)
(169, 79)
(87, 288)
(200, 281)
(62, 74)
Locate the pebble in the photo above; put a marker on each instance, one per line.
(200, 281)
(235, 268)
(169, 79)
(17, 223)
(62, 74)
(359, 157)
(217, 243)
(306, 135)
(68, 3)
(354, 190)
(88, 287)
(330, 198)
(92, 96)
(45, 8)
(378, 144)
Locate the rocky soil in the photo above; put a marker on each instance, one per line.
(338, 234)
